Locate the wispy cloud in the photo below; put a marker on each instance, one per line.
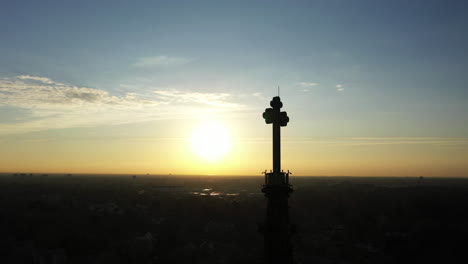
(161, 61)
(38, 140)
(36, 78)
(259, 96)
(339, 87)
(214, 99)
(308, 84)
(438, 142)
(51, 105)
(43, 93)
(373, 141)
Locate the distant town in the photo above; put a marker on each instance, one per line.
(71, 218)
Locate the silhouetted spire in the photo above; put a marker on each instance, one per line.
(277, 230)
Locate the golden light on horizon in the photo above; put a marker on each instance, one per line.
(211, 141)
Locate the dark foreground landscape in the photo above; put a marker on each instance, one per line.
(209, 219)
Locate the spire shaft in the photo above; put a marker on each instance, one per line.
(277, 230)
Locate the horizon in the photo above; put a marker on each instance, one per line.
(40, 174)
(372, 88)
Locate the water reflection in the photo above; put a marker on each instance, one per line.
(209, 192)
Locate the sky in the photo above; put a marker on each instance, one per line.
(372, 88)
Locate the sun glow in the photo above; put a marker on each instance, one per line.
(211, 141)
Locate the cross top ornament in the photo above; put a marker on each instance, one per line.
(274, 115)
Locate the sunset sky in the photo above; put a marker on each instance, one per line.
(372, 88)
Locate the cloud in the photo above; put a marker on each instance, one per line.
(434, 141)
(214, 99)
(339, 87)
(38, 140)
(307, 84)
(437, 142)
(45, 104)
(161, 61)
(259, 96)
(43, 93)
(36, 78)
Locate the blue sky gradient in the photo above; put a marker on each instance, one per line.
(346, 68)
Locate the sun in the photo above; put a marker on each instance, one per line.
(210, 141)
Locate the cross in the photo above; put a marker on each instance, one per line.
(274, 116)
